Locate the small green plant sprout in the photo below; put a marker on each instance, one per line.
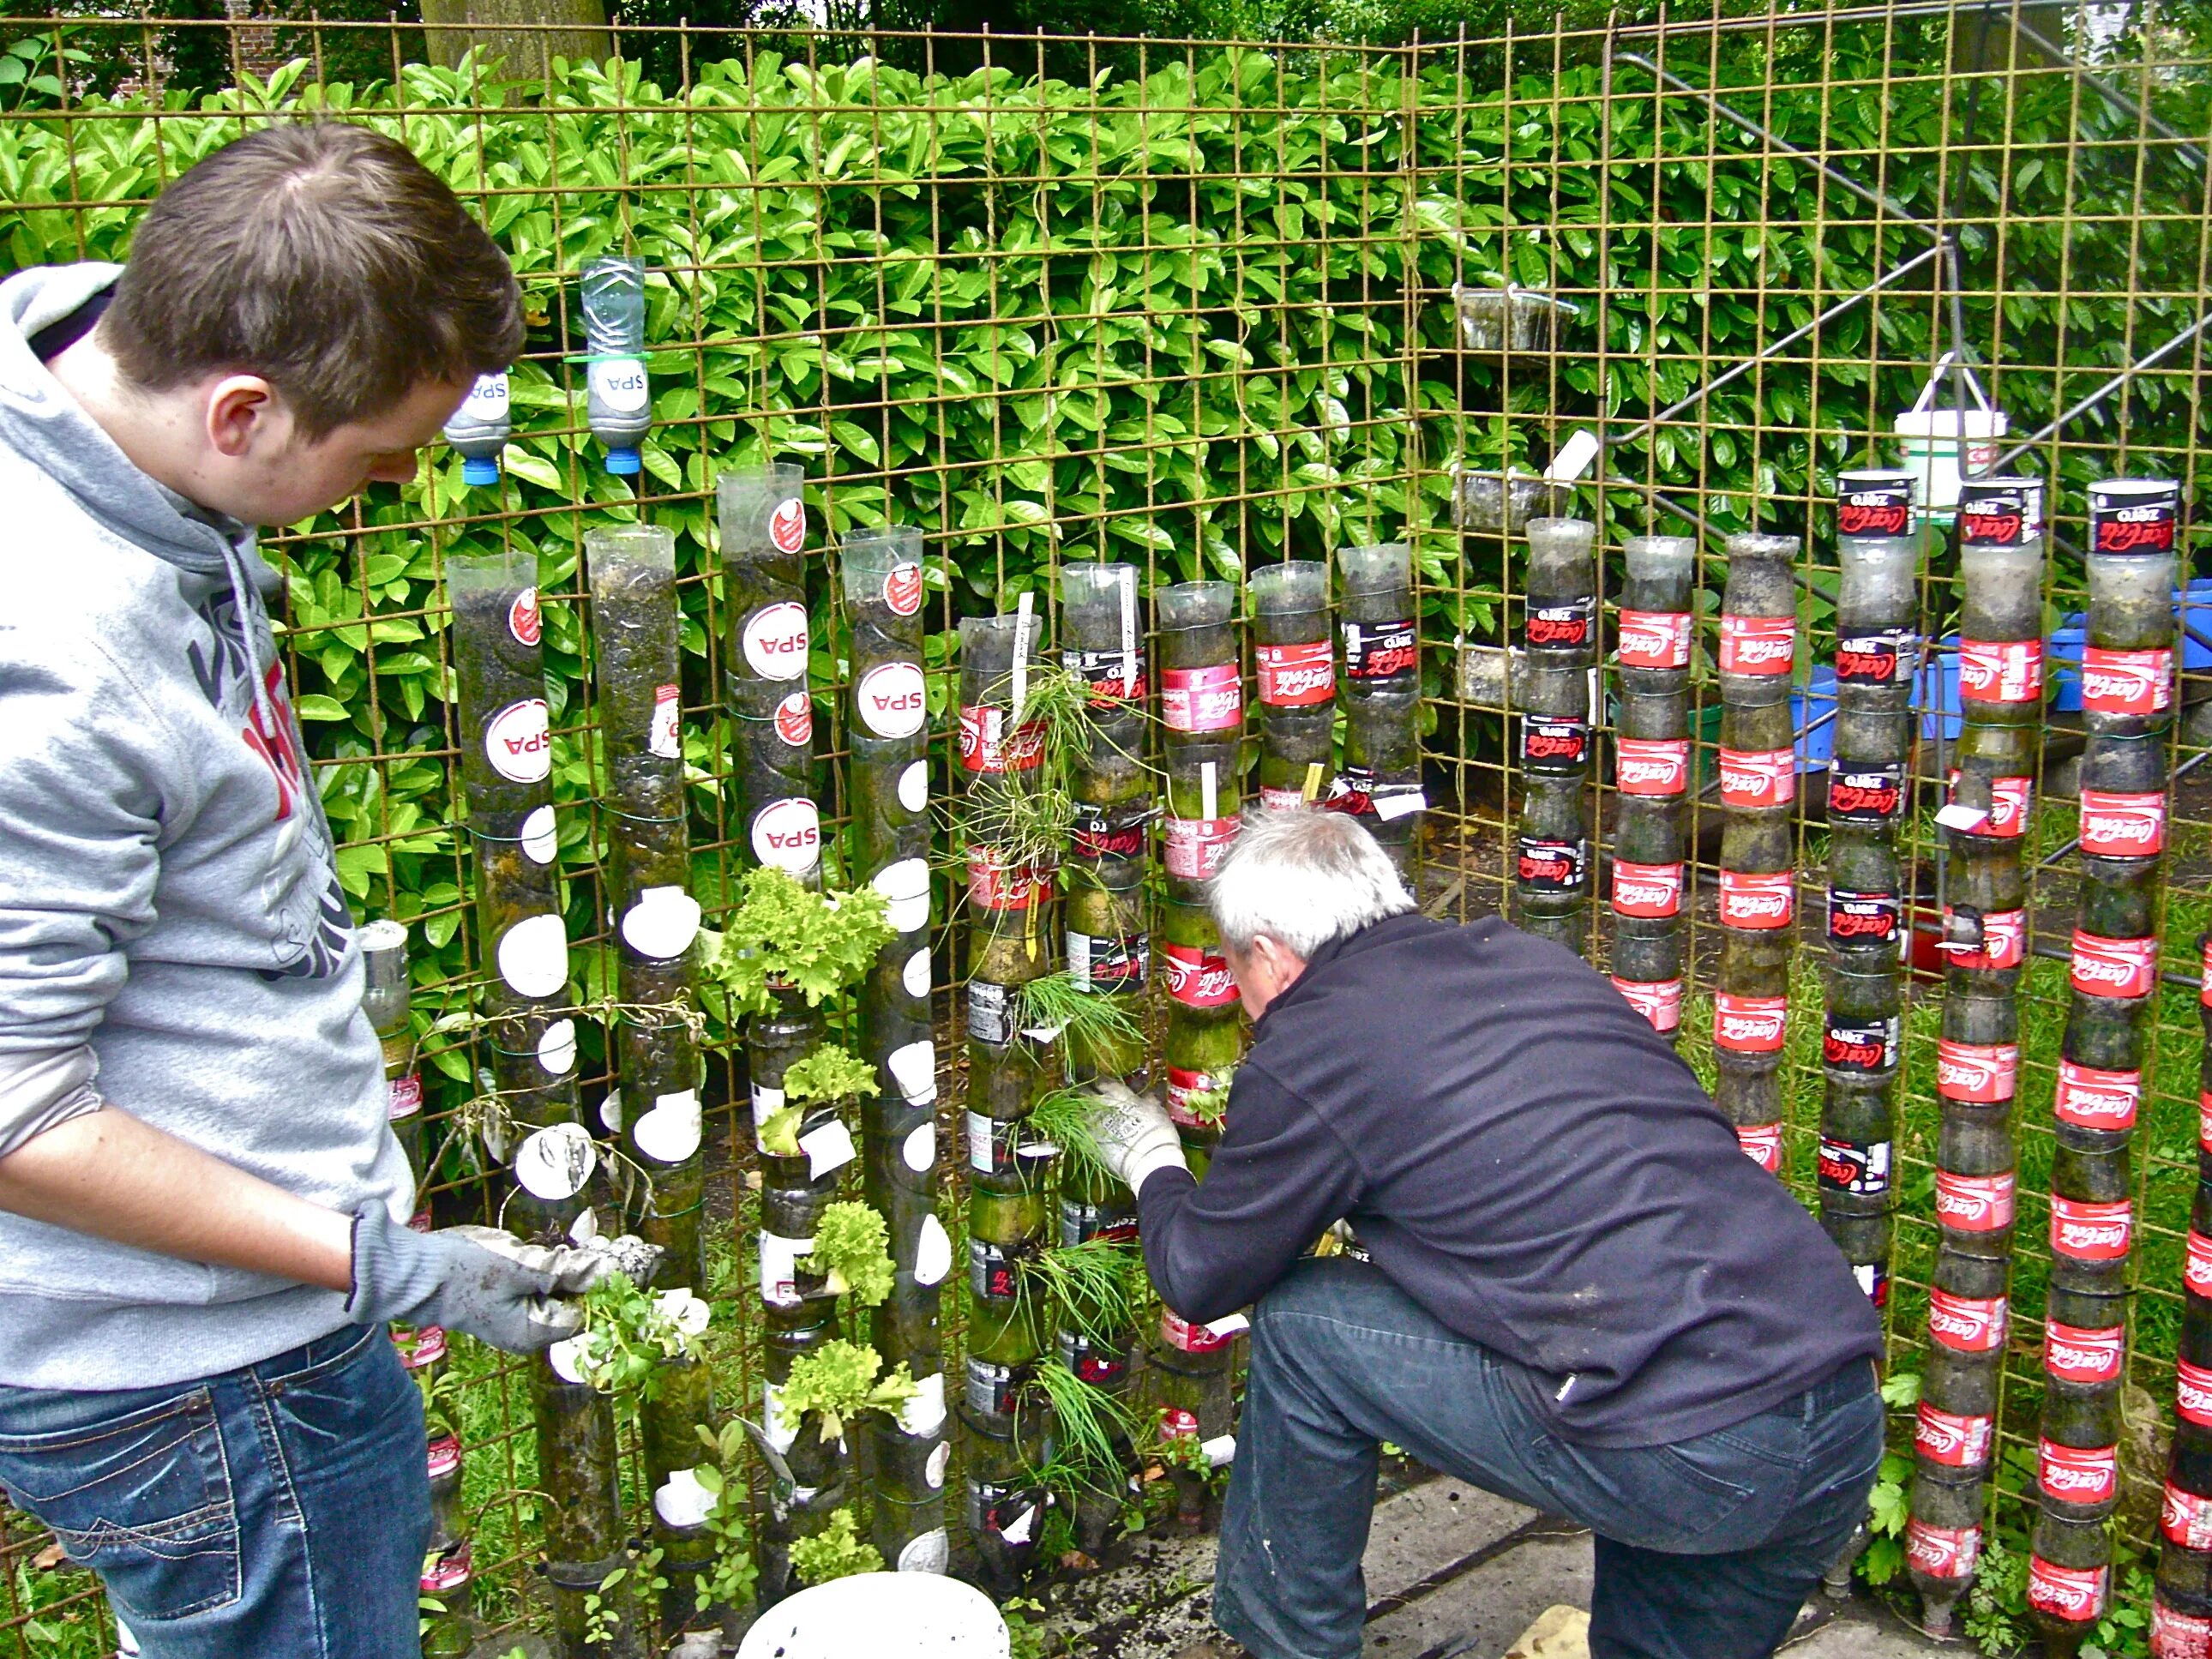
(782, 934)
(731, 1579)
(626, 1335)
(1099, 1284)
(852, 1252)
(1054, 1006)
(829, 1072)
(633, 1588)
(842, 1380)
(1029, 1636)
(1209, 1106)
(836, 1551)
(1063, 1117)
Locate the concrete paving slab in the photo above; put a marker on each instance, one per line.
(1480, 1611)
(1864, 1630)
(1431, 1529)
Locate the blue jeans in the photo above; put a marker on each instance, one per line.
(277, 1512)
(1705, 1549)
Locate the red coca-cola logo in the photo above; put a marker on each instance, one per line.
(2074, 1354)
(2008, 803)
(2075, 1595)
(1755, 778)
(2123, 824)
(2196, 1272)
(2178, 1635)
(903, 589)
(445, 1572)
(2091, 1098)
(1201, 699)
(1945, 1552)
(1756, 901)
(1856, 916)
(1758, 645)
(1948, 1437)
(2078, 1474)
(1380, 651)
(2004, 941)
(1991, 529)
(1660, 1001)
(2114, 967)
(794, 720)
(1557, 626)
(1647, 890)
(524, 618)
(1854, 1166)
(2192, 1393)
(1551, 866)
(1967, 1324)
(2204, 1120)
(988, 745)
(1651, 766)
(1180, 1333)
(997, 885)
(787, 525)
(1197, 977)
(1295, 675)
(2086, 1231)
(2126, 682)
(1184, 1085)
(1655, 638)
(1874, 512)
(2185, 1518)
(1553, 744)
(2001, 670)
(1870, 658)
(2143, 527)
(1197, 846)
(445, 1457)
(1749, 1025)
(1864, 796)
(1974, 1204)
(1982, 1073)
(1762, 1145)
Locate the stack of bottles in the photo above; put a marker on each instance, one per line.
(1381, 782)
(1551, 693)
(1652, 776)
(1295, 663)
(2181, 1613)
(764, 526)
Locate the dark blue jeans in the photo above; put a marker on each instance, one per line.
(278, 1512)
(1706, 1550)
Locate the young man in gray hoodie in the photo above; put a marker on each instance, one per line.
(202, 1211)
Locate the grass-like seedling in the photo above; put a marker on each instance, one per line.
(1100, 1283)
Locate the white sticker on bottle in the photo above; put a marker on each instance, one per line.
(914, 786)
(585, 1228)
(933, 1252)
(489, 400)
(933, 1471)
(618, 384)
(775, 641)
(929, 1552)
(533, 955)
(670, 1132)
(565, 1358)
(662, 923)
(923, 1414)
(1230, 1325)
(611, 1112)
(682, 1502)
(829, 1146)
(1387, 807)
(688, 1313)
(914, 1069)
(517, 741)
(915, 976)
(1221, 1450)
(1018, 1530)
(557, 1048)
(555, 1161)
(767, 1102)
(921, 1149)
(892, 700)
(780, 1433)
(778, 1267)
(905, 886)
(787, 835)
(665, 738)
(541, 843)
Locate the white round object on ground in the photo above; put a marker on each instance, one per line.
(885, 1615)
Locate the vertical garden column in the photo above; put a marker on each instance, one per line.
(890, 792)
(505, 759)
(1651, 776)
(1758, 871)
(1977, 1060)
(1550, 881)
(633, 626)
(2181, 1618)
(1382, 696)
(1295, 658)
(763, 527)
(1877, 658)
(1202, 711)
(2127, 706)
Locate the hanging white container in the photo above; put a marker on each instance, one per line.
(1948, 441)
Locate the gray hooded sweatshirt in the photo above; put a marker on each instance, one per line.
(173, 936)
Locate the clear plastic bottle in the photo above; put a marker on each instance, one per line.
(620, 404)
(479, 430)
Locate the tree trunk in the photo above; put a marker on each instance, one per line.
(527, 35)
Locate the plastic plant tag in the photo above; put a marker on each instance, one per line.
(533, 955)
(670, 1132)
(662, 923)
(933, 1252)
(829, 1146)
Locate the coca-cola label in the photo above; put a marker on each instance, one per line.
(989, 742)
(1951, 1439)
(447, 1571)
(2090, 1097)
(1110, 832)
(2178, 1635)
(1758, 645)
(1967, 1324)
(1866, 794)
(775, 641)
(2196, 1269)
(2192, 1393)
(1749, 1025)
(1864, 918)
(1185, 1089)
(794, 720)
(1202, 699)
(1100, 1366)
(2185, 1518)
(2001, 670)
(2008, 804)
(1552, 866)
(2114, 967)
(1549, 744)
(2118, 824)
(1752, 778)
(2126, 682)
(1103, 962)
(1569, 626)
(1660, 1001)
(1295, 675)
(2135, 519)
(786, 525)
(402, 1096)
(995, 884)
(1859, 1167)
(445, 1457)
(1651, 766)
(664, 731)
(1647, 890)
(995, 1389)
(2003, 941)
(1983, 1073)
(2007, 513)
(1197, 977)
(1380, 651)
(1946, 1553)
(788, 834)
(1873, 504)
(1197, 846)
(2084, 1231)
(1974, 1204)
(1185, 1338)
(517, 741)
(2075, 1595)
(525, 620)
(1113, 675)
(993, 1144)
(1861, 1045)
(1655, 638)
(1756, 901)
(1878, 659)
(2078, 1474)
(1762, 1144)
(891, 699)
(2204, 1120)
(990, 1015)
(2074, 1354)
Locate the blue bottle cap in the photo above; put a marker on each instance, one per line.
(479, 470)
(622, 462)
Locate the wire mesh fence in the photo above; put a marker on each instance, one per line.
(1192, 306)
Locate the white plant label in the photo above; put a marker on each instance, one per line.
(557, 1048)
(670, 1132)
(1229, 1324)
(533, 957)
(775, 641)
(767, 1102)
(619, 384)
(666, 735)
(915, 974)
(930, 1552)
(1129, 584)
(611, 1112)
(517, 741)
(914, 786)
(682, 1502)
(662, 923)
(778, 1267)
(585, 1228)
(788, 834)
(1221, 1450)
(891, 699)
(1397, 806)
(921, 1149)
(905, 887)
(933, 1252)
(923, 1414)
(540, 843)
(555, 1161)
(828, 1146)
(563, 1357)
(914, 1069)
(933, 1471)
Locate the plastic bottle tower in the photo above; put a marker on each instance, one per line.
(764, 526)
(888, 728)
(1877, 659)
(1978, 1057)
(479, 430)
(2181, 1612)
(1651, 776)
(505, 759)
(1010, 940)
(1758, 864)
(1380, 693)
(1551, 693)
(1202, 717)
(1108, 940)
(1294, 659)
(2127, 707)
(618, 402)
(633, 631)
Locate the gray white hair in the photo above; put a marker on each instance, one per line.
(1303, 877)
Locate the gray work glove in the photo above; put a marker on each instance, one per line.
(478, 1280)
(1135, 1133)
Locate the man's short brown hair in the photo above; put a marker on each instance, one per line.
(323, 257)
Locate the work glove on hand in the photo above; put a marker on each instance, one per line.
(1135, 1133)
(478, 1280)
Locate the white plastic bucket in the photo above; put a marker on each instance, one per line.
(882, 1615)
(1946, 444)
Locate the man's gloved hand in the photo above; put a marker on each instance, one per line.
(1135, 1133)
(478, 1280)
